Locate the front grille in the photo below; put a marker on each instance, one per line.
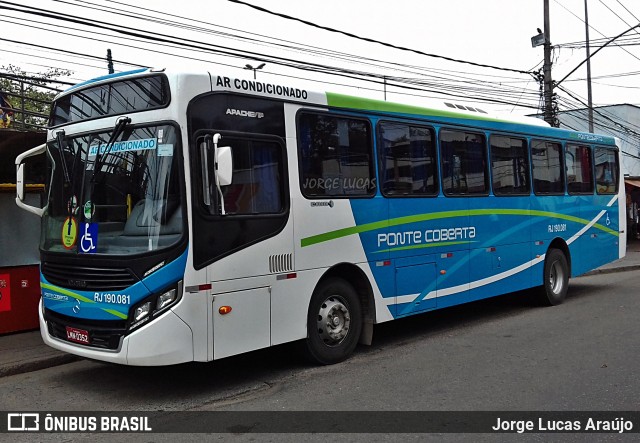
(104, 334)
(88, 277)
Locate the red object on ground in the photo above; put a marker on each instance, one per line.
(20, 290)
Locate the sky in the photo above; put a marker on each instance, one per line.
(488, 32)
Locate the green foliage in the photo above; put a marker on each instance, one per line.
(33, 93)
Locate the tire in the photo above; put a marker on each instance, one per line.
(334, 322)
(555, 280)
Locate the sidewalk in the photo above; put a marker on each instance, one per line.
(25, 352)
(630, 262)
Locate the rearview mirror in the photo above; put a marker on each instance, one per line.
(20, 179)
(225, 166)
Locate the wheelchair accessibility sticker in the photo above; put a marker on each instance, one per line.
(89, 238)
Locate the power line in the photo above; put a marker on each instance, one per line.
(315, 50)
(615, 13)
(596, 110)
(291, 63)
(570, 12)
(596, 51)
(450, 92)
(626, 9)
(370, 40)
(461, 87)
(34, 25)
(45, 58)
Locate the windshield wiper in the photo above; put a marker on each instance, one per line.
(121, 124)
(63, 162)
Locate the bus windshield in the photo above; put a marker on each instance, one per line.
(114, 192)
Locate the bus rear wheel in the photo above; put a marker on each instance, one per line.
(334, 322)
(555, 278)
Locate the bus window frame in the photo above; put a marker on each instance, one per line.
(487, 177)
(616, 182)
(519, 136)
(592, 167)
(371, 149)
(197, 183)
(563, 172)
(381, 166)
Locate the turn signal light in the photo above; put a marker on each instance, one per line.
(224, 310)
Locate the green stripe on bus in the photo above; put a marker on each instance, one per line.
(347, 101)
(344, 232)
(367, 227)
(82, 298)
(67, 292)
(116, 313)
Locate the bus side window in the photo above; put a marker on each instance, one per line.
(606, 165)
(408, 160)
(336, 156)
(509, 166)
(463, 163)
(579, 170)
(546, 159)
(258, 178)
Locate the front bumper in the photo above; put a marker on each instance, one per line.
(166, 341)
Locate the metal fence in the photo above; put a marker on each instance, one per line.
(25, 101)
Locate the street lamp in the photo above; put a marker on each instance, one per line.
(260, 66)
(538, 40)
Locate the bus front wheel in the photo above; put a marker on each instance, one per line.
(555, 279)
(334, 322)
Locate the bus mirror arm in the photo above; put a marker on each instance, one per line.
(20, 179)
(204, 155)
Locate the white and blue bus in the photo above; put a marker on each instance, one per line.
(191, 217)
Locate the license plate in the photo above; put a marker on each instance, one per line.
(78, 335)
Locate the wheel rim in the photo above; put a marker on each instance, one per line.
(556, 277)
(334, 320)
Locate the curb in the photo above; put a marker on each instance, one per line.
(612, 270)
(36, 365)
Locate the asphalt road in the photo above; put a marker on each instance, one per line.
(503, 354)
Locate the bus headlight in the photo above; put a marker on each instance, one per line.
(153, 306)
(166, 299)
(142, 311)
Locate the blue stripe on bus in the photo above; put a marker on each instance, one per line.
(83, 304)
(505, 255)
(106, 77)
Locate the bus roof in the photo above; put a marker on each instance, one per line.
(446, 111)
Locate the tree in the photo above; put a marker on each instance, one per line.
(29, 96)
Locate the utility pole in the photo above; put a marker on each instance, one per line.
(384, 77)
(589, 96)
(549, 114)
(109, 62)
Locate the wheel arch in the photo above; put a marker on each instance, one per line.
(560, 244)
(356, 277)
